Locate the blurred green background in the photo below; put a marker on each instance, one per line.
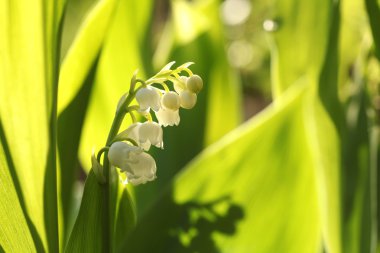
(280, 154)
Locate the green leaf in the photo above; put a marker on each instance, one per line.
(86, 235)
(90, 233)
(254, 187)
(30, 33)
(15, 235)
(119, 58)
(104, 30)
(84, 51)
(373, 11)
(70, 123)
(76, 80)
(297, 40)
(218, 108)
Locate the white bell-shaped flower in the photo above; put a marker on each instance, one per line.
(139, 166)
(170, 101)
(188, 99)
(150, 133)
(144, 134)
(122, 154)
(168, 117)
(147, 98)
(194, 84)
(143, 170)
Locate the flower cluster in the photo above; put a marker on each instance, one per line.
(166, 103)
(126, 150)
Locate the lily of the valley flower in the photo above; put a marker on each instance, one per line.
(170, 101)
(148, 97)
(139, 166)
(188, 99)
(145, 134)
(194, 84)
(168, 117)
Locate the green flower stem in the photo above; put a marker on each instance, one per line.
(120, 114)
(101, 151)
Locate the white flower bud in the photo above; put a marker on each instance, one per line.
(148, 98)
(168, 117)
(188, 99)
(170, 101)
(180, 84)
(139, 166)
(194, 84)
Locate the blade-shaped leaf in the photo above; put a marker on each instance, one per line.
(30, 33)
(113, 41)
(86, 235)
(296, 41)
(84, 51)
(119, 58)
(373, 11)
(70, 123)
(255, 190)
(299, 44)
(15, 235)
(218, 108)
(90, 232)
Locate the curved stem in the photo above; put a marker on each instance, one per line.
(134, 143)
(101, 151)
(120, 114)
(166, 88)
(107, 227)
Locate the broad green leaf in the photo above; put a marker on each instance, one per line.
(296, 41)
(119, 58)
(70, 123)
(373, 11)
(15, 236)
(359, 222)
(357, 214)
(87, 233)
(325, 150)
(375, 178)
(359, 153)
(204, 31)
(30, 33)
(76, 79)
(218, 108)
(84, 51)
(353, 34)
(101, 205)
(300, 40)
(252, 191)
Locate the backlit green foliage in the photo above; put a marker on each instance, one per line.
(300, 176)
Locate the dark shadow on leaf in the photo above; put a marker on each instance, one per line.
(188, 227)
(69, 129)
